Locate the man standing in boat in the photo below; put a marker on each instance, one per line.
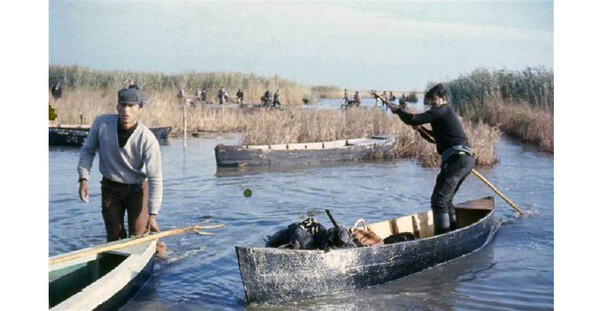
(452, 144)
(130, 163)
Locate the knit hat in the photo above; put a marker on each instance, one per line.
(130, 97)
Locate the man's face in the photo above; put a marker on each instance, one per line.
(434, 102)
(128, 114)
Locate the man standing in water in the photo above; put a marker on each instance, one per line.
(452, 144)
(130, 163)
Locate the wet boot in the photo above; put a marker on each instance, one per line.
(441, 223)
(452, 217)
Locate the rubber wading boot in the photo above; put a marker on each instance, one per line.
(441, 223)
(452, 216)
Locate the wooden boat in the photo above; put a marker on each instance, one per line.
(303, 153)
(274, 275)
(102, 281)
(75, 135)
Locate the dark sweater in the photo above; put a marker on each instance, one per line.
(123, 134)
(447, 129)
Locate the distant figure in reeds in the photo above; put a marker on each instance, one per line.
(223, 96)
(276, 102)
(377, 100)
(132, 85)
(181, 95)
(266, 99)
(392, 97)
(412, 97)
(240, 97)
(453, 146)
(197, 98)
(356, 99)
(130, 166)
(56, 91)
(203, 96)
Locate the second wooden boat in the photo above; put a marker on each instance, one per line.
(304, 153)
(273, 274)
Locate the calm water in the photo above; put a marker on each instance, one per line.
(514, 271)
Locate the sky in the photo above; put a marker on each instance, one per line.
(358, 45)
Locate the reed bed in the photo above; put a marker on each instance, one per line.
(75, 77)
(264, 126)
(520, 103)
(301, 126)
(530, 124)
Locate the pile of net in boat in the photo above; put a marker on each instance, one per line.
(309, 234)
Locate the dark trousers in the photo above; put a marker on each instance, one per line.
(454, 171)
(118, 198)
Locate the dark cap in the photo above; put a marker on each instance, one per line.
(130, 97)
(437, 90)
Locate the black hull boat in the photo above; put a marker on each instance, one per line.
(276, 275)
(75, 135)
(304, 153)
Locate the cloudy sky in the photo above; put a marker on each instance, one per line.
(349, 44)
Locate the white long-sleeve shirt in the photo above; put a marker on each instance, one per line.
(137, 160)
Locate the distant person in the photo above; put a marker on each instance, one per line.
(453, 146)
(276, 102)
(384, 96)
(181, 94)
(240, 97)
(266, 99)
(56, 91)
(392, 97)
(357, 99)
(222, 95)
(130, 164)
(203, 95)
(132, 85)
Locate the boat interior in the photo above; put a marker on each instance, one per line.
(421, 224)
(69, 280)
(317, 145)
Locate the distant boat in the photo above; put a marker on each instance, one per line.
(303, 153)
(75, 135)
(102, 281)
(274, 274)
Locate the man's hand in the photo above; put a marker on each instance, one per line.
(84, 191)
(152, 225)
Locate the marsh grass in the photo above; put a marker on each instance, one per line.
(520, 103)
(262, 126)
(74, 78)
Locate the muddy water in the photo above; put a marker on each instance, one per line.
(514, 271)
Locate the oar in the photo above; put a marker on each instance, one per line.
(476, 173)
(131, 241)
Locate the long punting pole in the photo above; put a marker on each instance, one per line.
(129, 242)
(476, 173)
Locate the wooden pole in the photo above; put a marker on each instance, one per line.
(476, 173)
(129, 242)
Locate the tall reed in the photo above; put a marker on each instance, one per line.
(520, 103)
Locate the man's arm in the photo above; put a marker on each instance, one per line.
(154, 173)
(416, 119)
(152, 160)
(86, 158)
(425, 133)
